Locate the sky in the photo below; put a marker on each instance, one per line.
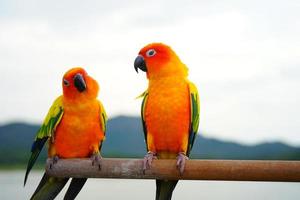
(244, 57)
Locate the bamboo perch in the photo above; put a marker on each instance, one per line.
(225, 170)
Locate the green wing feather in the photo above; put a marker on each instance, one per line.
(45, 132)
(145, 98)
(103, 121)
(195, 110)
(103, 117)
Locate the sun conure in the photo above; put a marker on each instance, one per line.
(170, 110)
(74, 128)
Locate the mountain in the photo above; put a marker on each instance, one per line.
(125, 139)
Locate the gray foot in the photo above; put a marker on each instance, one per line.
(96, 160)
(148, 160)
(53, 161)
(181, 159)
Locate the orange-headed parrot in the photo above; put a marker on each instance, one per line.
(74, 128)
(170, 110)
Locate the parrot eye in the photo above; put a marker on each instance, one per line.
(66, 83)
(150, 53)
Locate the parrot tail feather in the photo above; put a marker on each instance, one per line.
(49, 188)
(74, 188)
(164, 189)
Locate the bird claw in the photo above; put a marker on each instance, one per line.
(180, 164)
(96, 160)
(147, 162)
(53, 161)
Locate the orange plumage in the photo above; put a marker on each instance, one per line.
(79, 133)
(74, 128)
(170, 110)
(167, 111)
(167, 115)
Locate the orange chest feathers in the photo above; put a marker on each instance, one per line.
(79, 131)
(167, 115)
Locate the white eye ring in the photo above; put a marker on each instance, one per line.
(150, 53)
(66, 83)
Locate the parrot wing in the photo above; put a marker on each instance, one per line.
(103, 117)
(195, 110)
(145, 98)
(45, 132)
(103, 120)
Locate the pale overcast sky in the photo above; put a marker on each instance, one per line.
(244, 56)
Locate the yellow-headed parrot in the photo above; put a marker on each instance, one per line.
(170, 110)
(74, 128)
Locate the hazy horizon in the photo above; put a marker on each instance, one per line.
(206, 135)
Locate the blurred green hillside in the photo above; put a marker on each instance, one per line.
(124, 138)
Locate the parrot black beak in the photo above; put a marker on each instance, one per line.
(79, 82)
(139, 62)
